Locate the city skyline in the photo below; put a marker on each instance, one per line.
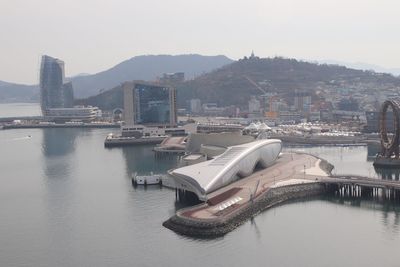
(213, 132)
(94, 39)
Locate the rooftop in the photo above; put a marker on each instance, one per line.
(235, 162)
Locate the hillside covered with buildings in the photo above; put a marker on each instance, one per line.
(268, 86)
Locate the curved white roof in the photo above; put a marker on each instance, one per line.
(236, 162)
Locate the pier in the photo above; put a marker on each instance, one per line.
(293, 176)
(357, 186)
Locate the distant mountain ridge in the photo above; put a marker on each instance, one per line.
(147, 67)
(229, 85)
(13, 92)
(362, 66)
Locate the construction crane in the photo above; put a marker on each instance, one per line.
(270, 113)
(255, 84)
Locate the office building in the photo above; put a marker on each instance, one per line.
(149, 104)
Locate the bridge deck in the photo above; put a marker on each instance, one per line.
(362, 181)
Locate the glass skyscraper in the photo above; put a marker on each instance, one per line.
(149, 104)
(54, 93)
(68, 95)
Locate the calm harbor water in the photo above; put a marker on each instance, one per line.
(65, 200)
(19, 109)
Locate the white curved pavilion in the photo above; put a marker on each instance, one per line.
(236, 162)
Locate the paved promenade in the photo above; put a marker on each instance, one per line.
(292, 176)
(288, 169)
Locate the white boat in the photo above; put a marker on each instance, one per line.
(152, 179)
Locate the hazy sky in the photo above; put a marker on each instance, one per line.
(93, 35)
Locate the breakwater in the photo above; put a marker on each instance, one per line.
(209, 228)
(341, 186)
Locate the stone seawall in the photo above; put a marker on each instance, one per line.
(220, 226)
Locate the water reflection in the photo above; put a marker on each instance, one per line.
(58, 142)
(58, 150)
(390, 209)
(57, 145)
(256, 229)
(391, 218)
(141, 159)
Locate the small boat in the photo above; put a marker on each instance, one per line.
(152, 179)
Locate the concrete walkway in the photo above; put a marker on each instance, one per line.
(290, 168)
